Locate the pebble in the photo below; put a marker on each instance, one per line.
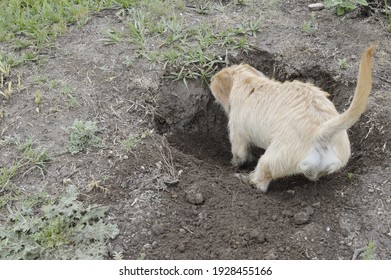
(271, 255)
(301, 218)
(274, 218)
(287, 213)
(316, 204)
(157, 229)
(194, 197)
(257, 236)
(181, 247)
(310, 210)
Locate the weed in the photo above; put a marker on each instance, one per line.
(6, 174)
(7, 91)
(241, 2)
(96, 185)
(369, 251)
(311, 25)
(136, 28)
(34, 157)
(344, 6)
(38, 100)
(113, 36)
(165, 174)
(82, 136)
(203, 9)
(62, 229)
(343, 64)
(131, 142)
(118, 256)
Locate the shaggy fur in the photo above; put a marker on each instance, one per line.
(295, 122)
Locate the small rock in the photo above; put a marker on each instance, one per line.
(271, 255)
(194, 196)
(181, 247)
(257, 236)
(371, 190)
(310, 210)
(274, 218)
(316, 204)
(157, 229)
(301, 218)
(316, 7)
(287, 213)
(147, 246)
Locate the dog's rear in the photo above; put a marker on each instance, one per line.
(325, 157)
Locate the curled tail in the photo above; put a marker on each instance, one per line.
(359, 102)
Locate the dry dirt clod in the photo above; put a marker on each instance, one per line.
(287, 213)
(309, 210)
(271, 255)
(257, 236)
(157, 229)
(194, 196)
(181, 247)
(301, 218)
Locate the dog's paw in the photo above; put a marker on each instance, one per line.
(243, 178)
(262, 187)
(238, 161)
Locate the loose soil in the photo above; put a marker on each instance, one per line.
(174, 196)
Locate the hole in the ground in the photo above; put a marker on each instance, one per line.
(196, 125)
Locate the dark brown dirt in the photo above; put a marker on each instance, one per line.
(175, 196)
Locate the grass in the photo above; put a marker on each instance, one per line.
(29, 158)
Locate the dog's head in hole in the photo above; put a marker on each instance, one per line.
(295, 122)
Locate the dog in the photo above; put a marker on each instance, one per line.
(295, 122)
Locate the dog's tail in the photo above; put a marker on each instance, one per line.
(359, 102)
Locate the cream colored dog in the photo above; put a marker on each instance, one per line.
(295, 122)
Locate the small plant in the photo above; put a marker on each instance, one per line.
(369, 251)
(203, 9)
(38, 100)
(131, 142)
(63, 229)
(311, 25)
(82, 136)
(241, 2)
(137, 29)
(113, 36)
(343, 63)
(350, 176)
(344, 6)
(34, 157)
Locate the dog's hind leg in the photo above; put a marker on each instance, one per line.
(270, 166)
(240, 150)
(261, 176)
